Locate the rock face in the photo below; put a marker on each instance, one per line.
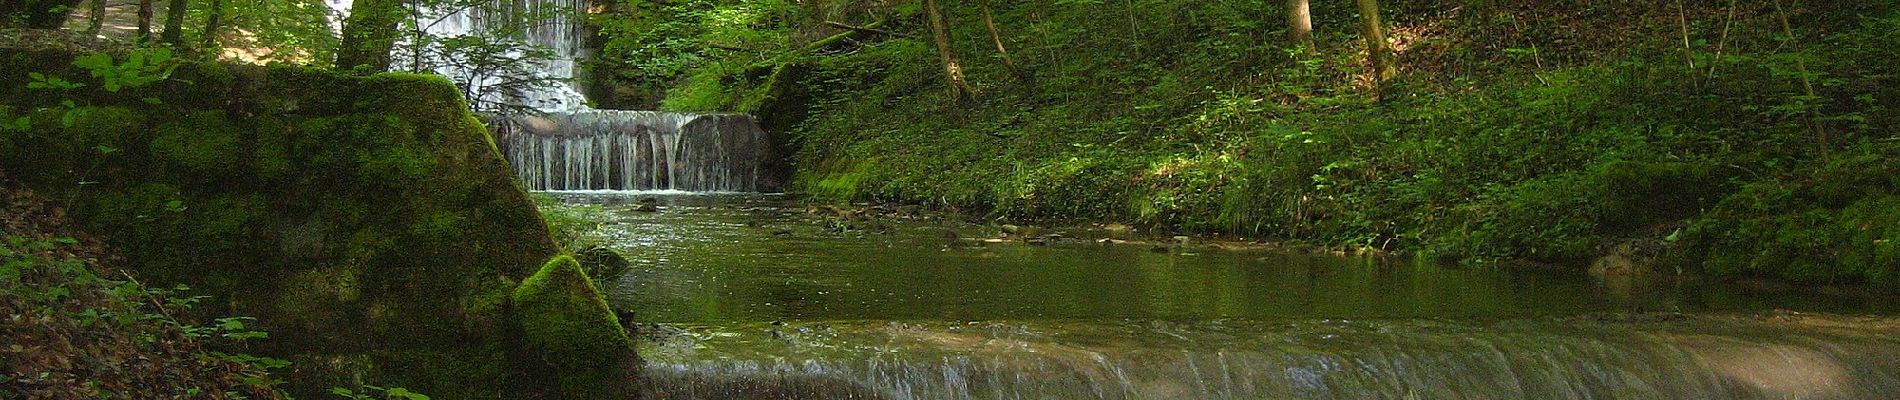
(369, 223)
(573, 335)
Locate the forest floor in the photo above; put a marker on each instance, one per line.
(79, 328)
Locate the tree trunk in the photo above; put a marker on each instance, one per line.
(1378, 51)
(1299, 20)
(1807, 83)
(952, 69)
(174, 34)
(96, 20)
(996, 35)
(212, 20)
(369, 35)
(145, 21)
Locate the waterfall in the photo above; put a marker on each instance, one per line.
(571, 146)
(560, 33)
(636, 150)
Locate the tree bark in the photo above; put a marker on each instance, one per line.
(996, 35)
(865, 29)
(1807, 83)
(369, 35)
(212, 22)
(95, 21)
(145, 21)
(952, 69)
(1378, 50)
(175, 22)
(1299, 20)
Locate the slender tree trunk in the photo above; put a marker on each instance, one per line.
(145, 21)
(369, 35)
(1807, 84)
(212, 22)
(96, 20)
(996, 35)
(1378, 51)
(952, 69)
(174, 34)
(1299, 20)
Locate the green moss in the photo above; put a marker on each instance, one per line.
(351, 215)
(202, 143)
(105, 126)
(569, 328)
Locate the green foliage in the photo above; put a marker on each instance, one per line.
(1527, 142)
(652, 46)
(111, 319)
(1830, 223)
(378, 393)
(141, 67)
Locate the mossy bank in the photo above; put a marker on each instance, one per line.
(366, 221)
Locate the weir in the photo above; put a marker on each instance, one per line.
(1805, 357)
(570, 146)
(636, 150)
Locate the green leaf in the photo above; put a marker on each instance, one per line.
(95, 61)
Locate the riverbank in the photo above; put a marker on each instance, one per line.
(1714, 136)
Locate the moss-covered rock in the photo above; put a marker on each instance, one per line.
(364, 218)
(575, 336)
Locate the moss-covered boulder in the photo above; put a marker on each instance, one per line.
(572, 334)
(367, 219)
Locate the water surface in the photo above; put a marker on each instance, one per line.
(755, 296)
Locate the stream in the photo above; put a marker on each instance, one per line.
(749, 296)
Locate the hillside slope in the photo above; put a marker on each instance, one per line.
(1546, 131)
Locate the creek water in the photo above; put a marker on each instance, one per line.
(743, 296)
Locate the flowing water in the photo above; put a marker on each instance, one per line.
(752, 296)
(565, 144)
(636, 150)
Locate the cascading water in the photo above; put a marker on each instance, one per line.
(558, 32)
(570, 146)
(1798, 357)
(636, 150)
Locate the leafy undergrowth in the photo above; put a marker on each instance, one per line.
(77, 328)
(1545, 132)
